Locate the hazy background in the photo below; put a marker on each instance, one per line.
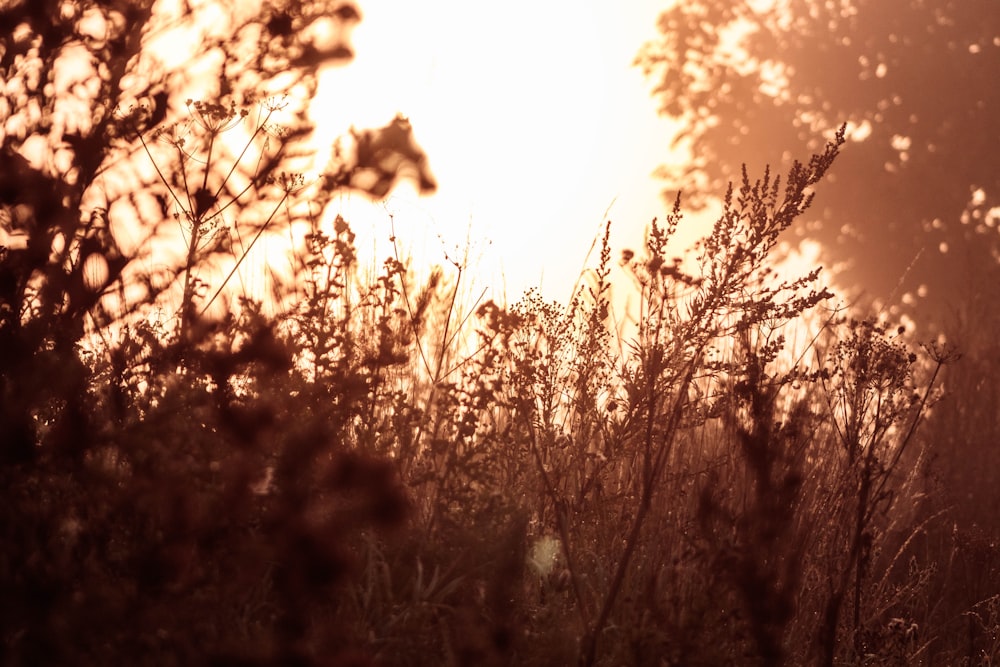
(536, 123)
(534, 118)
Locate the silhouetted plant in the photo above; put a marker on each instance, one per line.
(364, 463)
(874, 408)
(683, 315)
(162, 501)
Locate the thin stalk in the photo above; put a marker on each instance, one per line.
(239, 260)
(559, 507)
(589, 650)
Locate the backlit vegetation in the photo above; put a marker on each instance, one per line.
(363, 467)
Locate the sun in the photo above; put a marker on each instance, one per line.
(536, 125)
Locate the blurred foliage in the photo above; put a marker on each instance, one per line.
(374, 470)
(913, 202)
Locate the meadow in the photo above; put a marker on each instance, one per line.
(382, 473)
(361, 464)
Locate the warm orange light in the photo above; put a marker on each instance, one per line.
(533, 118)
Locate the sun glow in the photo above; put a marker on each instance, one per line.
(535, 123)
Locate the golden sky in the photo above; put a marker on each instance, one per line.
(534, 120)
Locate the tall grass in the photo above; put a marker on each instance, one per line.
(375, 470)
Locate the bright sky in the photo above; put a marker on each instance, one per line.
(534, 120)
